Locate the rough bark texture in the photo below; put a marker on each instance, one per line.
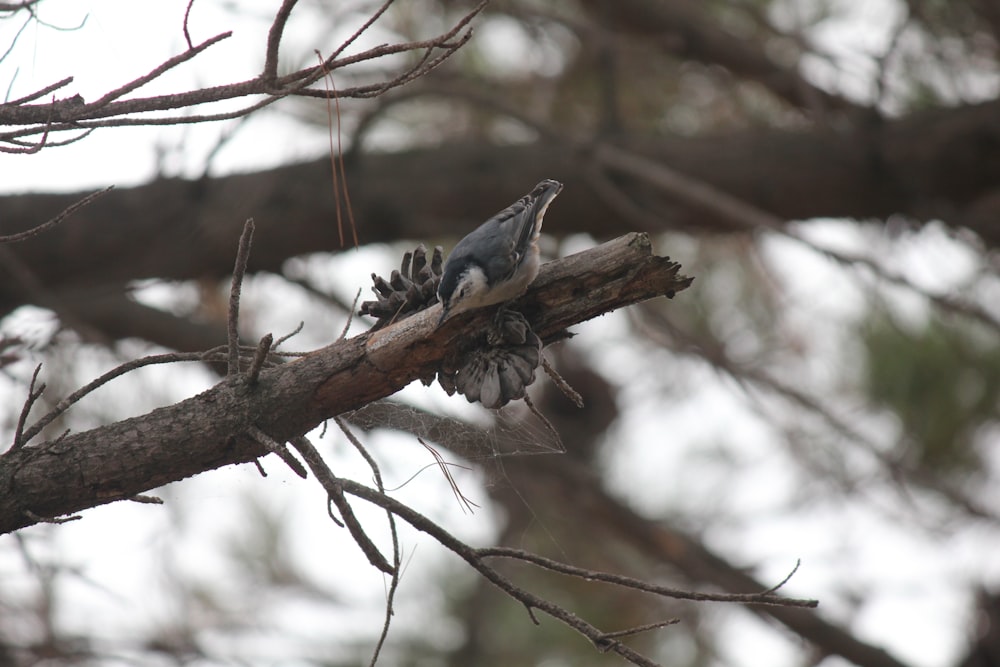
(209, 430)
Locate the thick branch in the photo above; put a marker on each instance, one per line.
(936, 165)
(210, 430)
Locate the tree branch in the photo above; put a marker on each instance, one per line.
(209, 430)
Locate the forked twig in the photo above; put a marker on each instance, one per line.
(477, 559)
(29, 401)
(332, 485)
(275, 447)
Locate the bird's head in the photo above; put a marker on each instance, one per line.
(461, 290)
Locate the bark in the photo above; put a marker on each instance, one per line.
(210, 430)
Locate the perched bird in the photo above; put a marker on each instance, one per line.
(498, 260)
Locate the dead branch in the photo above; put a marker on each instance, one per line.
(209, 430)
(74, 113)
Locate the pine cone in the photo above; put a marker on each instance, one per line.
(502, 371)
(409, 290)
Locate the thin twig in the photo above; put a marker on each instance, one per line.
(233, 319)
(52, 222)
(29, 401)
(111, 111)
(42, 142)
(396, 553)
(42, 92)
(608, 636)
(788, 577)
(275, 447)
(560, 382)
(350, 315)
(157, 71)
(187, 33)
(332, 485)
(530, 601)
(170, 358)
(764, 598)
(270, 73)
(364, 27)
(552, 429)
(288, 335)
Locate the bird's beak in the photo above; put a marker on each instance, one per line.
(445, 311)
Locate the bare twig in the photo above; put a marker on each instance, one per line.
(33, 395)
(187, 15)
(233, 319)
(471, 555)
(157, 71)
(364, 27)
(270, 73)
(41, 92)
(396, 553)
(765, 598)
(545, 421)
(350, 315)
(334, 489)
(788, 577)
(560, 382)
(628, 632)
(288, 335)
(110, 110)
(275, 447)
(170, 358)
(43, 142)
(52, 222)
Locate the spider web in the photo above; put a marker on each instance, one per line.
(511, 431)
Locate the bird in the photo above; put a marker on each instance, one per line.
(499, 259)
